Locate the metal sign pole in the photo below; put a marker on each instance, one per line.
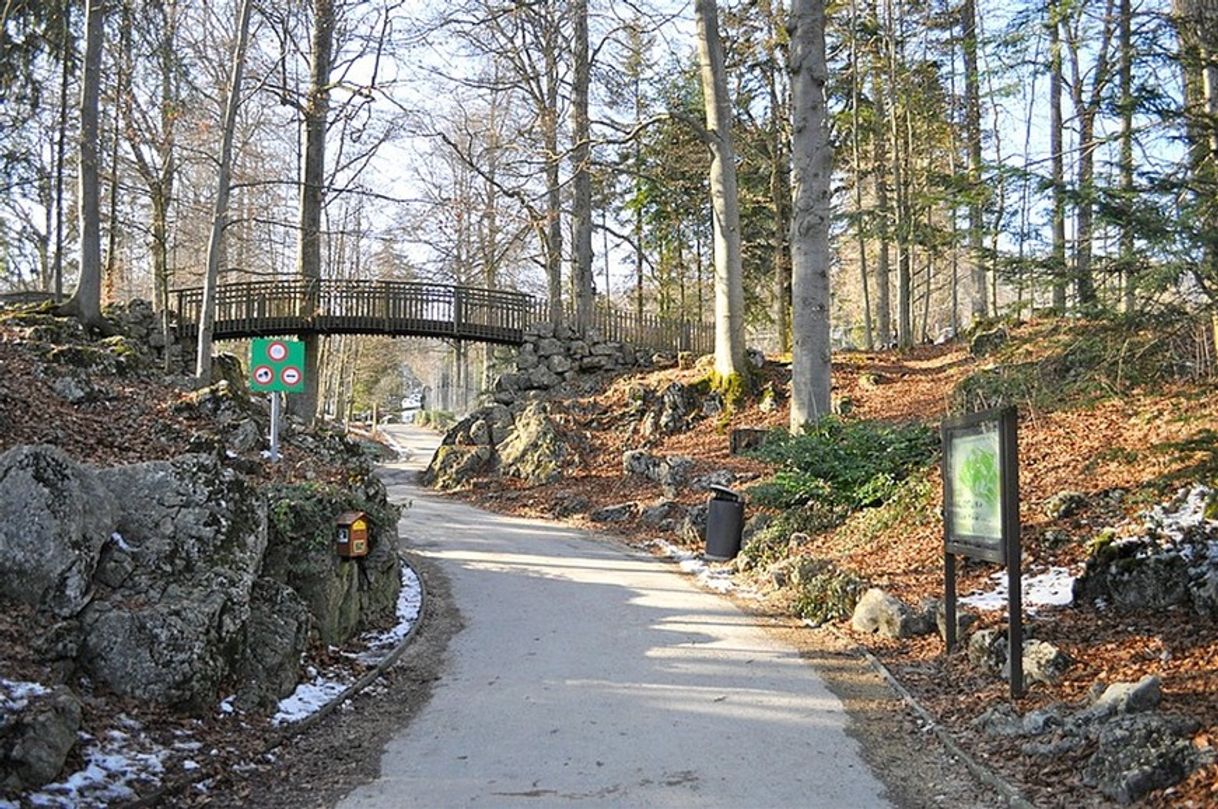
(275, 427)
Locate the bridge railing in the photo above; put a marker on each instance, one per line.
(331, 306)
(359, 306)
(647, 330)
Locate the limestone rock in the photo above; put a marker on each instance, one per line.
(343, 596)
(885, 614)
(38, 728)
(618, 513)
(1064, 504)
(74, 389)
(55, 516)
(196, 533)
(693, 524)
(1139, 754)
(1127, 698)
(1043, 663)
(536, 451)
(658, 514)
(987, 648)
(452, 467)
(275, 639)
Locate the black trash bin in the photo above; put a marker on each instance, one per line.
(724, 522)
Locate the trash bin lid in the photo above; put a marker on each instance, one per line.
(724, 493)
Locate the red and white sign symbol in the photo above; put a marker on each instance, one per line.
(290, 376)
(263, 375)
(277, 351)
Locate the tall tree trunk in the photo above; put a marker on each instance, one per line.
(581, 155)
(729, 282)
(1057, 156)
(1128, 261)
(549, 127)
(778, 177)
(61, 146)
(207, 312)
(1085, 110)
(972, 129)
(856, 159)
(812, 168)
(85, 302)
(880, 163)
(312, 189)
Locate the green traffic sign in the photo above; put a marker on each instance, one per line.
(277, 365)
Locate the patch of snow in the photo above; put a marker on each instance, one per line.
(226, 705)
(16, 694)
(119, 542)
(309, 698)
(190, 765)
(112, 766)
(719, 580)
(1172, 521)
(410, 602)
(1053, 588)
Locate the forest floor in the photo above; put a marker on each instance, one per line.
(1123, 418)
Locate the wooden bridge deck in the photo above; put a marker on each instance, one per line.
(410, 309)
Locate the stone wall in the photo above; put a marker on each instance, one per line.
(554, 356)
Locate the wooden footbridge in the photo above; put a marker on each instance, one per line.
(410, 309)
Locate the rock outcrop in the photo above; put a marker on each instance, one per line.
(55, 516)
(38, 729)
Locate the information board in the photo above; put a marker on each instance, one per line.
(981, 513)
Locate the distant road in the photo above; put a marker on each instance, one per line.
(589, 674)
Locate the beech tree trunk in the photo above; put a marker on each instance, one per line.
(232, 104)
(812, 168)
(85, 302)
(1057, 159)
(729, 283)
(582, 184)
(312, 189)
(972, 134)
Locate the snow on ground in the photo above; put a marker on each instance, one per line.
(1186, 511)
(718, 580)
(310, 697)
(323, 687)
(1053, 588)
(113, 764)
(410, 601)
(16, 694)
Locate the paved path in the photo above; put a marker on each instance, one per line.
(592, 675)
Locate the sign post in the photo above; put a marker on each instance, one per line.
(981, 513)
(276, 366)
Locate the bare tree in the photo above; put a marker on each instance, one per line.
(812, 169)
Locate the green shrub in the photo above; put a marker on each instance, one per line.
(770, 544)
(829, 596)
(836, 467)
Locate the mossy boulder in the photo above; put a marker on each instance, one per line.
(344, 596)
